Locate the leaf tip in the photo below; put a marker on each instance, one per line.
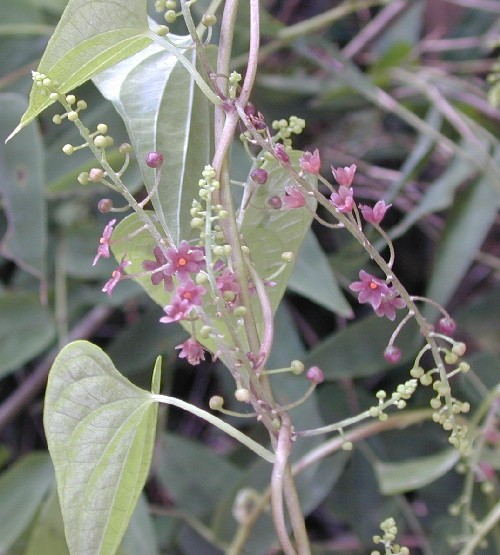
(15, 132)
(156, 379)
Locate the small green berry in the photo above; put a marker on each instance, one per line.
(162, 30)
(170, 16)
(209, 20)
(297, 367)
(83, 178)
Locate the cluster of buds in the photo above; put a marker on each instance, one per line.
(390, 531)
(398, 399)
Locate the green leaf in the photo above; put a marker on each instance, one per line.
(268, 232)
(21, 186)
(395, 478)
(90, 37)
(357, 350)
(195, 477)
(26, 328)
(172, 116)
(472, 216)
(313, 278)
(22, 489)
(100, 432)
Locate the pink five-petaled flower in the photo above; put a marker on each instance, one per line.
(177, 310)
(116, 276)
(293, 198)
(343, 200)
(344, 176)
(103, 248)
(310, 162)
(189, 291)
(159, 275)
(184, 260)
(381, 296)
(376, 214)
(192, 351)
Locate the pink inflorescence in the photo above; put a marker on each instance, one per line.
(383, 297)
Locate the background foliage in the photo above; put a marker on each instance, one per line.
(401, 91)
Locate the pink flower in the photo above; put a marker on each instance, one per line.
(104, 241)
(159, 275)
(191, 350)
(383, 298)
(344, 176)
(376, 214)
(310, 162)
(189, 291)
(227, 284)
(116, 276)
(281, 154)
(293, 198)
(389, 304)
(343, 200)
(184, 260)
(315, 375)
(177, 310)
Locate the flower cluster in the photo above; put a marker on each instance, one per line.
(383, 297)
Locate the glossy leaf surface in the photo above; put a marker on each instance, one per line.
(170, 115)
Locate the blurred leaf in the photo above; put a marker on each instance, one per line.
(100, 432)
(21, 187)
(401, 477)
(171, 116)
(194, 476)
(471, 218)
(479, 319)
(83, 45)
(357, 350)
(313, 278)
(47, 535)
(26, 329)
(22, 489)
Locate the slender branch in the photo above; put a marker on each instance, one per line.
(277, 479)
(224, 426)
(481, 530)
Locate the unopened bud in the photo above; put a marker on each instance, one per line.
(259, 176)
(96, 175)
(105, 205)
(209, 20)
(216, 402)
(315, 375)
(242, 395)
(154, 159)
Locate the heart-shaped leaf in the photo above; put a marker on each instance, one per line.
(90, 37)
(172, 116)
(100, 432)
(266, 231)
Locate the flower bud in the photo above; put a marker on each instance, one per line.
(259, 176)
(447, 325)
(275, 202)
(242, 395)
(105, 205)
(216, 402)
(125, 148)
(315, 375)
(209, 20)
(95, 175)
(154, 159)
(392, 354)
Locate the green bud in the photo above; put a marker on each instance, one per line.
(68, 149)
(83, 178)
(102, 128)
(100, 141)
(81, 105)
(197, 223)
(71, 99)
(216, 402)
(297, 366)
(125, 148)
(209, 20)
(72, 116)
(57, 119)
(162, 30)
(240, 311)
(242, 395)
(170, 16)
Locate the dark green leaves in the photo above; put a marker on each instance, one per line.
(100, 431)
